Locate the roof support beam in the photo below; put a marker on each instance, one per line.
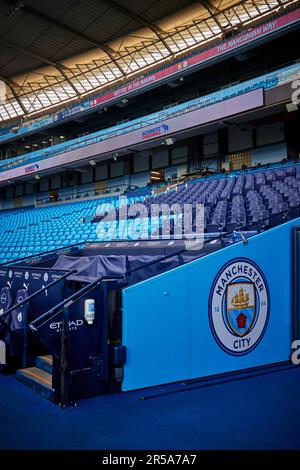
(11, 85)
(56, 65)
(42, 16)
(138, 19)
(212, 11)
(61, 69)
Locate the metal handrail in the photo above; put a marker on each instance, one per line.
(63, 387)
(32, 296)
(25, 302)
(43, 253)
(83, 195)
(222, 235)
(66, 303)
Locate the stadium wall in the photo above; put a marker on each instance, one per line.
(236, 105)
(167, 319)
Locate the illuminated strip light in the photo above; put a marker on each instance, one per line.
(267, 5)
(104, 97)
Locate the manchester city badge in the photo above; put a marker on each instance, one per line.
(239, 306)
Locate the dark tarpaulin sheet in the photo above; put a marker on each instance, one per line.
(90, 268)
(147, 270)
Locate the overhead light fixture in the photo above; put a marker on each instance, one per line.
(290, 107)
(169, 141)
(37, 177)
(115, 155)
(92, 162)
(62, 137)
(122, 103)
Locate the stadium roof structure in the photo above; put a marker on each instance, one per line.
(59, 51)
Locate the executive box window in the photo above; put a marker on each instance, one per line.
(10, 192)
(19, 190)
(239, 139)
(101, 172)
(269, 134)
(160, 159)
(56, 182)
(28, 189)
(210, 145)
(87, 176)
(116, 169)
(239, 160)
(179, 155)
(140, 163)
(44, 184)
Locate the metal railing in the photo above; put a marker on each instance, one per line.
(136, 124)
(73, 197)
(25, 315)
(44, 253)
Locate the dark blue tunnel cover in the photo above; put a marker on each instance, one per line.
(90, 268)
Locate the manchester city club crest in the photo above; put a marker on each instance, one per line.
(239, 306)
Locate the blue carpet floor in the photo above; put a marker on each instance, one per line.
(260, 412)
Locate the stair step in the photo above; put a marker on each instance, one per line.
(38, 380)
(45, 363)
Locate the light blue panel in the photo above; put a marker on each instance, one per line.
(271, 252)
(166, 325)
(156, 331)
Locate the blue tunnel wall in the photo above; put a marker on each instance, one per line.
(175, 328)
